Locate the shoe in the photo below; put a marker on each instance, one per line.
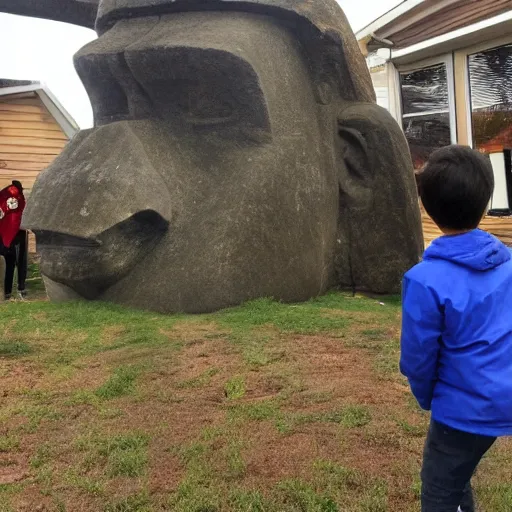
(22, 295)
(459, 510)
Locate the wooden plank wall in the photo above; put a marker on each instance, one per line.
(500, 227)
(30, 138)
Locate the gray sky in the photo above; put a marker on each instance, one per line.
(43, 50)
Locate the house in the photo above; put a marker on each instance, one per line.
(443, 68)
(34, 128)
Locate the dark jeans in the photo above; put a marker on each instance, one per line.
(449, 461)
(16, 257)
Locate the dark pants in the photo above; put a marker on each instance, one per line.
(16, 258)
(449, 461)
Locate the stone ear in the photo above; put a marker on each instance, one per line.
(380, 229)
(356, 168)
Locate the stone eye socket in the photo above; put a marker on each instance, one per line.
(202, 104)
(198, 87)
(115, 94)
(209, 89)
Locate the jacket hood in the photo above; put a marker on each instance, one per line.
(476, 250)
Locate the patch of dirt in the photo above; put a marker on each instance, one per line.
(191, 331)
(40, 317)
(326, 368)
(111, 333)
(263, 386)
(273, 457)
(179, 416)
(90, 375)
(11, 472)
(18, 376)
(325, 365)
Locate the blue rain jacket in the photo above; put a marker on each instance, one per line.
(457, 333)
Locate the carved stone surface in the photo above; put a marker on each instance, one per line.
(237, 153)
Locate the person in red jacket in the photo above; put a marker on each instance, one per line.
(12, 204)
(13, 240)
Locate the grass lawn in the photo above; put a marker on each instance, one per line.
(264, 407)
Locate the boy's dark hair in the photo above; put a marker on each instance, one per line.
(456, 186)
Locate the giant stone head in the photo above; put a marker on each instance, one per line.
(237, 153)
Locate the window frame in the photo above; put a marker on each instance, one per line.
(447, 60)
(466, 53)
(468, 105)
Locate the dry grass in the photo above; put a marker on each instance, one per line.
(266, 407)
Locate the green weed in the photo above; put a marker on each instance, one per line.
(241, 500)
(349, 417)
(354, 416)
(126, 454)
(73, 330)
(136, 503)
(298, 318)
(375, 334)
(299, 495)
(256, 411)
(412, 430)
(84, 483)
(495, 497)
(235, 388)
(200, 381)
(120, 383)
(41, 457)
(8, 443)
(375, 499)
(83, 397)
(14, 348)
(7, 491)
(122, 455)
(35, 415)
(236, 466)
(192, 497)
(387, 357)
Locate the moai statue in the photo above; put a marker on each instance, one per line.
(237, 153)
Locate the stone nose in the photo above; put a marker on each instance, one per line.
(102, 178)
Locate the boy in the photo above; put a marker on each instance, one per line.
(457, 329)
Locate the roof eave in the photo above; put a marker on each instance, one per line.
(387, 18)
(52, 104)
(454, 40)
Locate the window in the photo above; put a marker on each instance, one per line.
(490, 81)
(426, 110)
(490, 78)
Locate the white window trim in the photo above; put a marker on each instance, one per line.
(424, 114)
(447, 60)
(466, 52)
